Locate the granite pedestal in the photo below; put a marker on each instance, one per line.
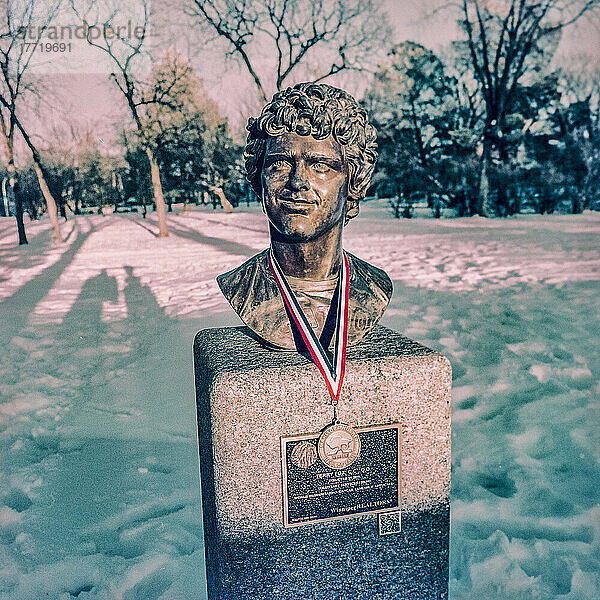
(248, 397)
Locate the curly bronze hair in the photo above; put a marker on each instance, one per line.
(319, 110)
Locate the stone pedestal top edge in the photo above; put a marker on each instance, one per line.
(233, 349)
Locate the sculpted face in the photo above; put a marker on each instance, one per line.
(305, 186)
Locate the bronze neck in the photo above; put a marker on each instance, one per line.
(315, 260)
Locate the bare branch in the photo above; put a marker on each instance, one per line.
(235, 24)
(346, 33)
(586, 7)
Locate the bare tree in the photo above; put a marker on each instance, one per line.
(505, 40)
(18, 18)
(320, 38)
(123, 50)
(181, 112)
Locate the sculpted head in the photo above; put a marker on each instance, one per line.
(309, 156)
(326, 128)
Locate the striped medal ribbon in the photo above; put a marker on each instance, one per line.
(339, 444)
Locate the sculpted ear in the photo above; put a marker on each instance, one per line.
(352, 208)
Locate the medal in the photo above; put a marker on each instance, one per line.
(339, 444)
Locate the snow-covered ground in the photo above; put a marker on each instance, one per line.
(99, 489)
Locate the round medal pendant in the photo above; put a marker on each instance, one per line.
(339, 446)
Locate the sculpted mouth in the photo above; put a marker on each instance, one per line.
(298, 203)
(302, 199)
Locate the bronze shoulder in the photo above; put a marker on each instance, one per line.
(253, 294)
(247, 284)
(370, 293)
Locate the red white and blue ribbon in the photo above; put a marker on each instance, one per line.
(331, 370)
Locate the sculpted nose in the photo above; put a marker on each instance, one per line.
(298, 181)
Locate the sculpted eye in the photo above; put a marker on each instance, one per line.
(321, 167)
(279, 165)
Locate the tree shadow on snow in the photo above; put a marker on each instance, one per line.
(218, 243)
(15, 310)
(118, 471)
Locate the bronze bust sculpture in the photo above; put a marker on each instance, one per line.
(310, 157)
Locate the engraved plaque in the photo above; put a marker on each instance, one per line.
(318, 492)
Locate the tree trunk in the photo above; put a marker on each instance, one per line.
(484, 184)
(20, 224)
(158, 195)
(18, 201)
(516, 204)
(10, 184)
(396, 205)
(18, 211)
(502, 191)
(466, 200)
(50, 203)
(502, 201)
(224, 202)
(4, 197)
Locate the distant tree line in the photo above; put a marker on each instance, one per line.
(491, 128)
(190, 144)
(545, 155)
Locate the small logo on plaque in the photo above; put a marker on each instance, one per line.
(304, 455)
(339, 446)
